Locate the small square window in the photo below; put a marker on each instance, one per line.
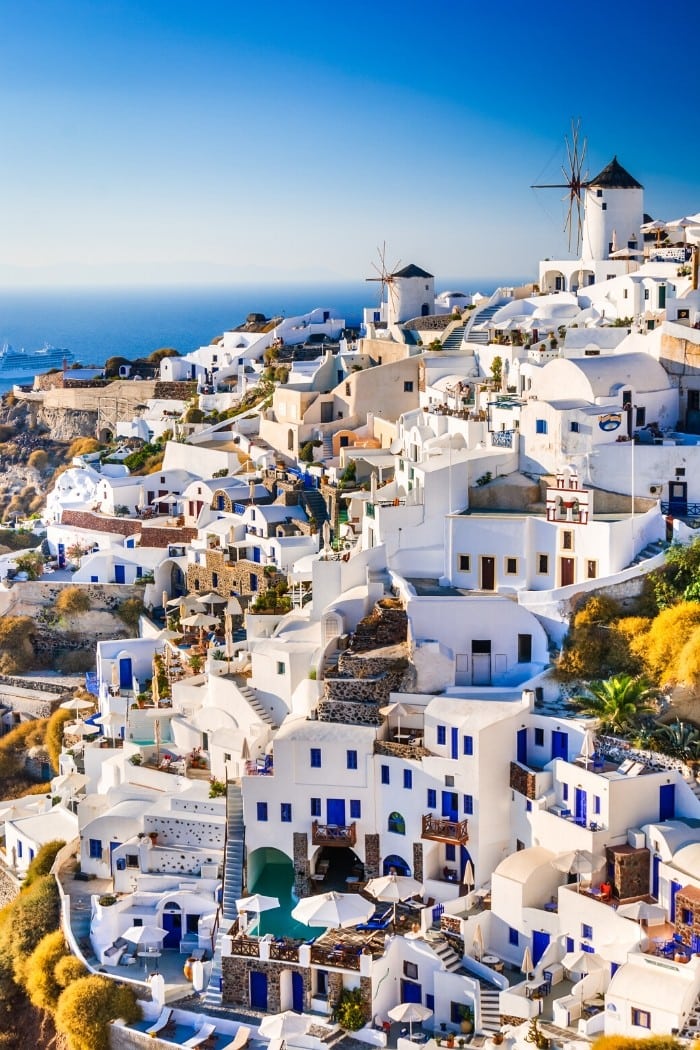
(449, 781)
(539, 736)
(355, 809)
(408, 387)
(410, 970)
(543, 564)
(511, 566)
(315, 757)
(262, 811)
(408, 778)
(604, 206)
(540, 426)
(431, 798)
(574, 426)
(464, 562)
(641, 1018)
(385, 775)
(586, 931)
(315, 807)
(351, 759)
(441, 735)
(286, 812)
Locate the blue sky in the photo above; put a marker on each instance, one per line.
(225, 141)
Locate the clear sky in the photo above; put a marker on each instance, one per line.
(224, 140)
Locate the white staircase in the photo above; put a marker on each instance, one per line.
(490, 1009)
(454, 340)
(233, 884)
(446, 954)
(251, 698)
(477, 327)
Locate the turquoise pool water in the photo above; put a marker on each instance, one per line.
(275, 880)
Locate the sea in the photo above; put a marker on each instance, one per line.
(98, 323)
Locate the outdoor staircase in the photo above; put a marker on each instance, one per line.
(446, 954)
(482, 317)
(454, 339)
(315, 505)
(233, 885)
(251, 698)
(490, 1008)
(650, 551)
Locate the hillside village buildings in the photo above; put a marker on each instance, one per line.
(353, 588)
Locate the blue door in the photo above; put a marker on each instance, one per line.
(656, 860)
(411, 992)
(580, 806)
(126, 676)
(522, 747)
(674, 888)
(297, 992)
(256, 554)
(464, 858)
(450, 805)
(335, 811)
(667, 802)
(119, 574)
(560, 744)
(540, 940)
(454, 742)
(172, 922)
(258, 990)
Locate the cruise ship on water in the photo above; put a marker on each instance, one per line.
(21, 364)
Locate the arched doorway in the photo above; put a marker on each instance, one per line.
(271, 873)
(338, 864)
(395, 865)
(172, 922)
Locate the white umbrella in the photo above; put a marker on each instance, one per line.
(410, 1012)
(144, 936)
(588, 746)
(582, 962)
(109, 722)
(169, 498)
(234, 607)
(527, 965)
(577, 862)
(77, 705)
(284, 1025)
(257, 903)
(211, 598)
(69, 783)
(478, 941)
(641, 911)
(626, 253)
(333, 910)
(468, 876)
(394, 888)
(199, 620)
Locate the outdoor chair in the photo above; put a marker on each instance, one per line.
(239, 1040)
(164, 1023)
(202, 1036)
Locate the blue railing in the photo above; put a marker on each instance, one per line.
(502, 438)
(681, 510)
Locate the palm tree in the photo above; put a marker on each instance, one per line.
(679, 738)
(618, 702)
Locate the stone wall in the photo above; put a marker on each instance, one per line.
(177, 390)
(162, 536)
(83, 519)
(9, 884)
(372, 857)
(236, 970)
(630, 871)
(418, 861)
(302, 867)
(523, 780)
(230, 575)
(350, 712)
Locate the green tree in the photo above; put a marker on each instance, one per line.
(86, 1008)
(33, 914)
(42, 987)
(679, 577)
(43, 861)
(618, 702)
(497, 370)
(32, 563)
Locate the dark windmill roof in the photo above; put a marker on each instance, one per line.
(411, 271)
(614, 177)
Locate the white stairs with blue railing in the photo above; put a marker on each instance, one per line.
(233, 884)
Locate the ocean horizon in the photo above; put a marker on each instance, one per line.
(96, 323)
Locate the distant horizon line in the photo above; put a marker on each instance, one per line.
(199, 285)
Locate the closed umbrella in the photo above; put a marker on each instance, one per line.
(478, 942)
(527, 965)
(394, 888)
(407, 1013)
(468, 876)
(284, 1025)
(588, 746)
(228, 639)
(333, 910)
(115, 675)
(234, 607)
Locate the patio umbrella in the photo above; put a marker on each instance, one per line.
(256, 905)
(77, 705)
(468, 876)
(115, 674)
(169, 498)
(642, 912)
(394, 888)
(70, 783)
(284, 1025)
(199, 620)
(211, 599)
(527, 965)
(582, 962)
(400, 710)
(577, 862)
(333, 910)
(410, 1012)
(588, 746)
(478, 942)
(234, 607)
(145, 938)
(109, 723)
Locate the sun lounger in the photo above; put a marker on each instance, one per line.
(112, 956)
(164, 1022)
(239, 1040)
(202, 1035)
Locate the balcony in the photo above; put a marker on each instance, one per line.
(333, 834)
(340, 956)
(439, 829)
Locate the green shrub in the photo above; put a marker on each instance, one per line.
(43, 861)
(54, 735)
(72, 601)
(129, 611)
(86, 1008)
(31, 915)
(42, 987)
(351, 1011)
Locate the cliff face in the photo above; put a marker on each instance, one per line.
(65, 424)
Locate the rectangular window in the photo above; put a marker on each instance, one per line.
(569, 944)
(408, 778)
(591, 569)
(539, 736)
(511, 566)
(586, 931)
(464, 562)
(567, 540)
(286, 812)
(262, 810)
(468, 804)
(430, 1001)
(543, 564)
(646, 293)
(280, 667)
(596, 803)
(19, 848)
(574, 427)
(441, 736)
(315, 807)
(528, 805)
(468, 745)
(315, 757)
(513, 937)
(450, 851)
(432, 798)
(604, 206)
(540, 426)
(641, 1018)
(351, 759)
(95, 849)
(410, 970)
(408, 387)
(565, 792)
(640, 417)
(355, 809)
(385, 774)
(132, 860)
